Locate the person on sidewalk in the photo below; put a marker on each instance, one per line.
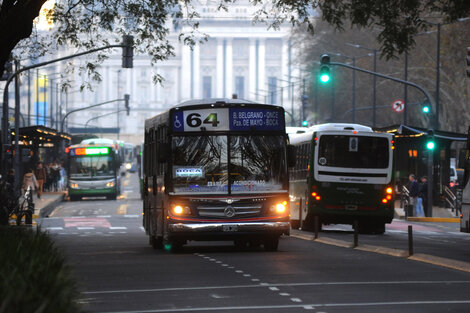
(414, 191)
(29, 179)
(40, 174)
(423, 194)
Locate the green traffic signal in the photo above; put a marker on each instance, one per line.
(324, 78)
(305, 123)
(426, 109)
(430, 145)
(325, 74)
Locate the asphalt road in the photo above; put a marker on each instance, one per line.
(117, 271)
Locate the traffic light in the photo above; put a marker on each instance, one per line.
(325, 68)
(127, 51)
(305, 123)
(430, 142)
(126, 103)
(468, 61)
(426, 109)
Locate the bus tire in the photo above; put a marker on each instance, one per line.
(295, 224)
(75, 198)
(156, 242)
(271, 243)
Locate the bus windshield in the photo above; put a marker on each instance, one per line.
(201, 164)
(353, 151)
(91, 166)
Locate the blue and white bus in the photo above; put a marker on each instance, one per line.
(216, 169)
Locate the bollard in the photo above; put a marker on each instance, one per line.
(410, 240)
(356, 232)
(316, 227)
(300, 213)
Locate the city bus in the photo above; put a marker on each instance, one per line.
(343, 173)
(94, 170)
(216, 169)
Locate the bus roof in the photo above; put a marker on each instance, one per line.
(331, 127)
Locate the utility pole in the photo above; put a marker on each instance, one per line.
(117, 104)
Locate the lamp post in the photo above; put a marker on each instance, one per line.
(374, 93)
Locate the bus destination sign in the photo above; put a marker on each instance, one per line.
(234, 119)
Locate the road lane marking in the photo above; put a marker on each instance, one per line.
(293, 306)
(125, 183)
(295, 300)
(122, 210)
(264, 285)
(85, 228)
(86, 222)
(131, 216)
(54, 228)
(118, 227)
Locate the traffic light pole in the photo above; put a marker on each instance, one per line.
(430, 131)
(103, 115)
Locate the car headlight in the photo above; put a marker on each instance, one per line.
(181, 210)
(110, 184)
(128, 166)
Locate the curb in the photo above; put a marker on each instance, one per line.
(399, 253)
(434, 219)
(48, 208)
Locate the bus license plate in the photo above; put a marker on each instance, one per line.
(230, 228)
(351, 207)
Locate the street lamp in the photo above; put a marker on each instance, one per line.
(374, 97)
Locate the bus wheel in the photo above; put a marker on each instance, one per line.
(156, 242)
(295, 224)
(75, 198)
(271, 243)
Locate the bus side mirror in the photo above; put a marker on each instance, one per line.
(163, 152)
(291, 156)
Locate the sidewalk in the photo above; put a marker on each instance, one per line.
(49, 200)
(438, 215)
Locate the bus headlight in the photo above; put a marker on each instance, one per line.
(279, 208)
(181, 210)
(128, 166)
(110, 184)
(74, 185)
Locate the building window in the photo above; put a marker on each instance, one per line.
(272, 89)
(206, 87)
(240, 87)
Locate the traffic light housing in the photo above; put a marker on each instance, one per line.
(430, 141)
(325, 68)
(128, 51)
(126, 103)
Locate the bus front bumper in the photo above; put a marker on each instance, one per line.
(231, 228)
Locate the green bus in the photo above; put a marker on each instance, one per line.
(93, 171)
(216, 169)
(343, 174)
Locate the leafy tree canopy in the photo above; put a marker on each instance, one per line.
(86, 24)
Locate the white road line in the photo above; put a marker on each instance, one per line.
(54, 228)
(262, 285)
(295, 300)
(274, 288)
(85, 228)
(104, 216)
(284, 294)
(292, 306)
(131, 215)
(117, 227)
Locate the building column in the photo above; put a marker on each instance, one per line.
(229, 68)
(196, 71)
(186, 72)
(252, 71)
(262, 67)
(219, 77)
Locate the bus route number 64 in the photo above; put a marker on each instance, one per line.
(195, 120)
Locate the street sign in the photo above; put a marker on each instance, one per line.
(398, 105)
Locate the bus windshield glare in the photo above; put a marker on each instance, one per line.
(353, 151)
(201, 164)
(91, 166)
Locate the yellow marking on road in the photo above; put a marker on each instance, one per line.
(122, 210)
(126, 183)
(434, 219)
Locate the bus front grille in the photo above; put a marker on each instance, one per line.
(229, 211)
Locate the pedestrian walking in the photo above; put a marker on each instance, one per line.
(423, 195)
(29, 180)
(41, 176)
(414, 192)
